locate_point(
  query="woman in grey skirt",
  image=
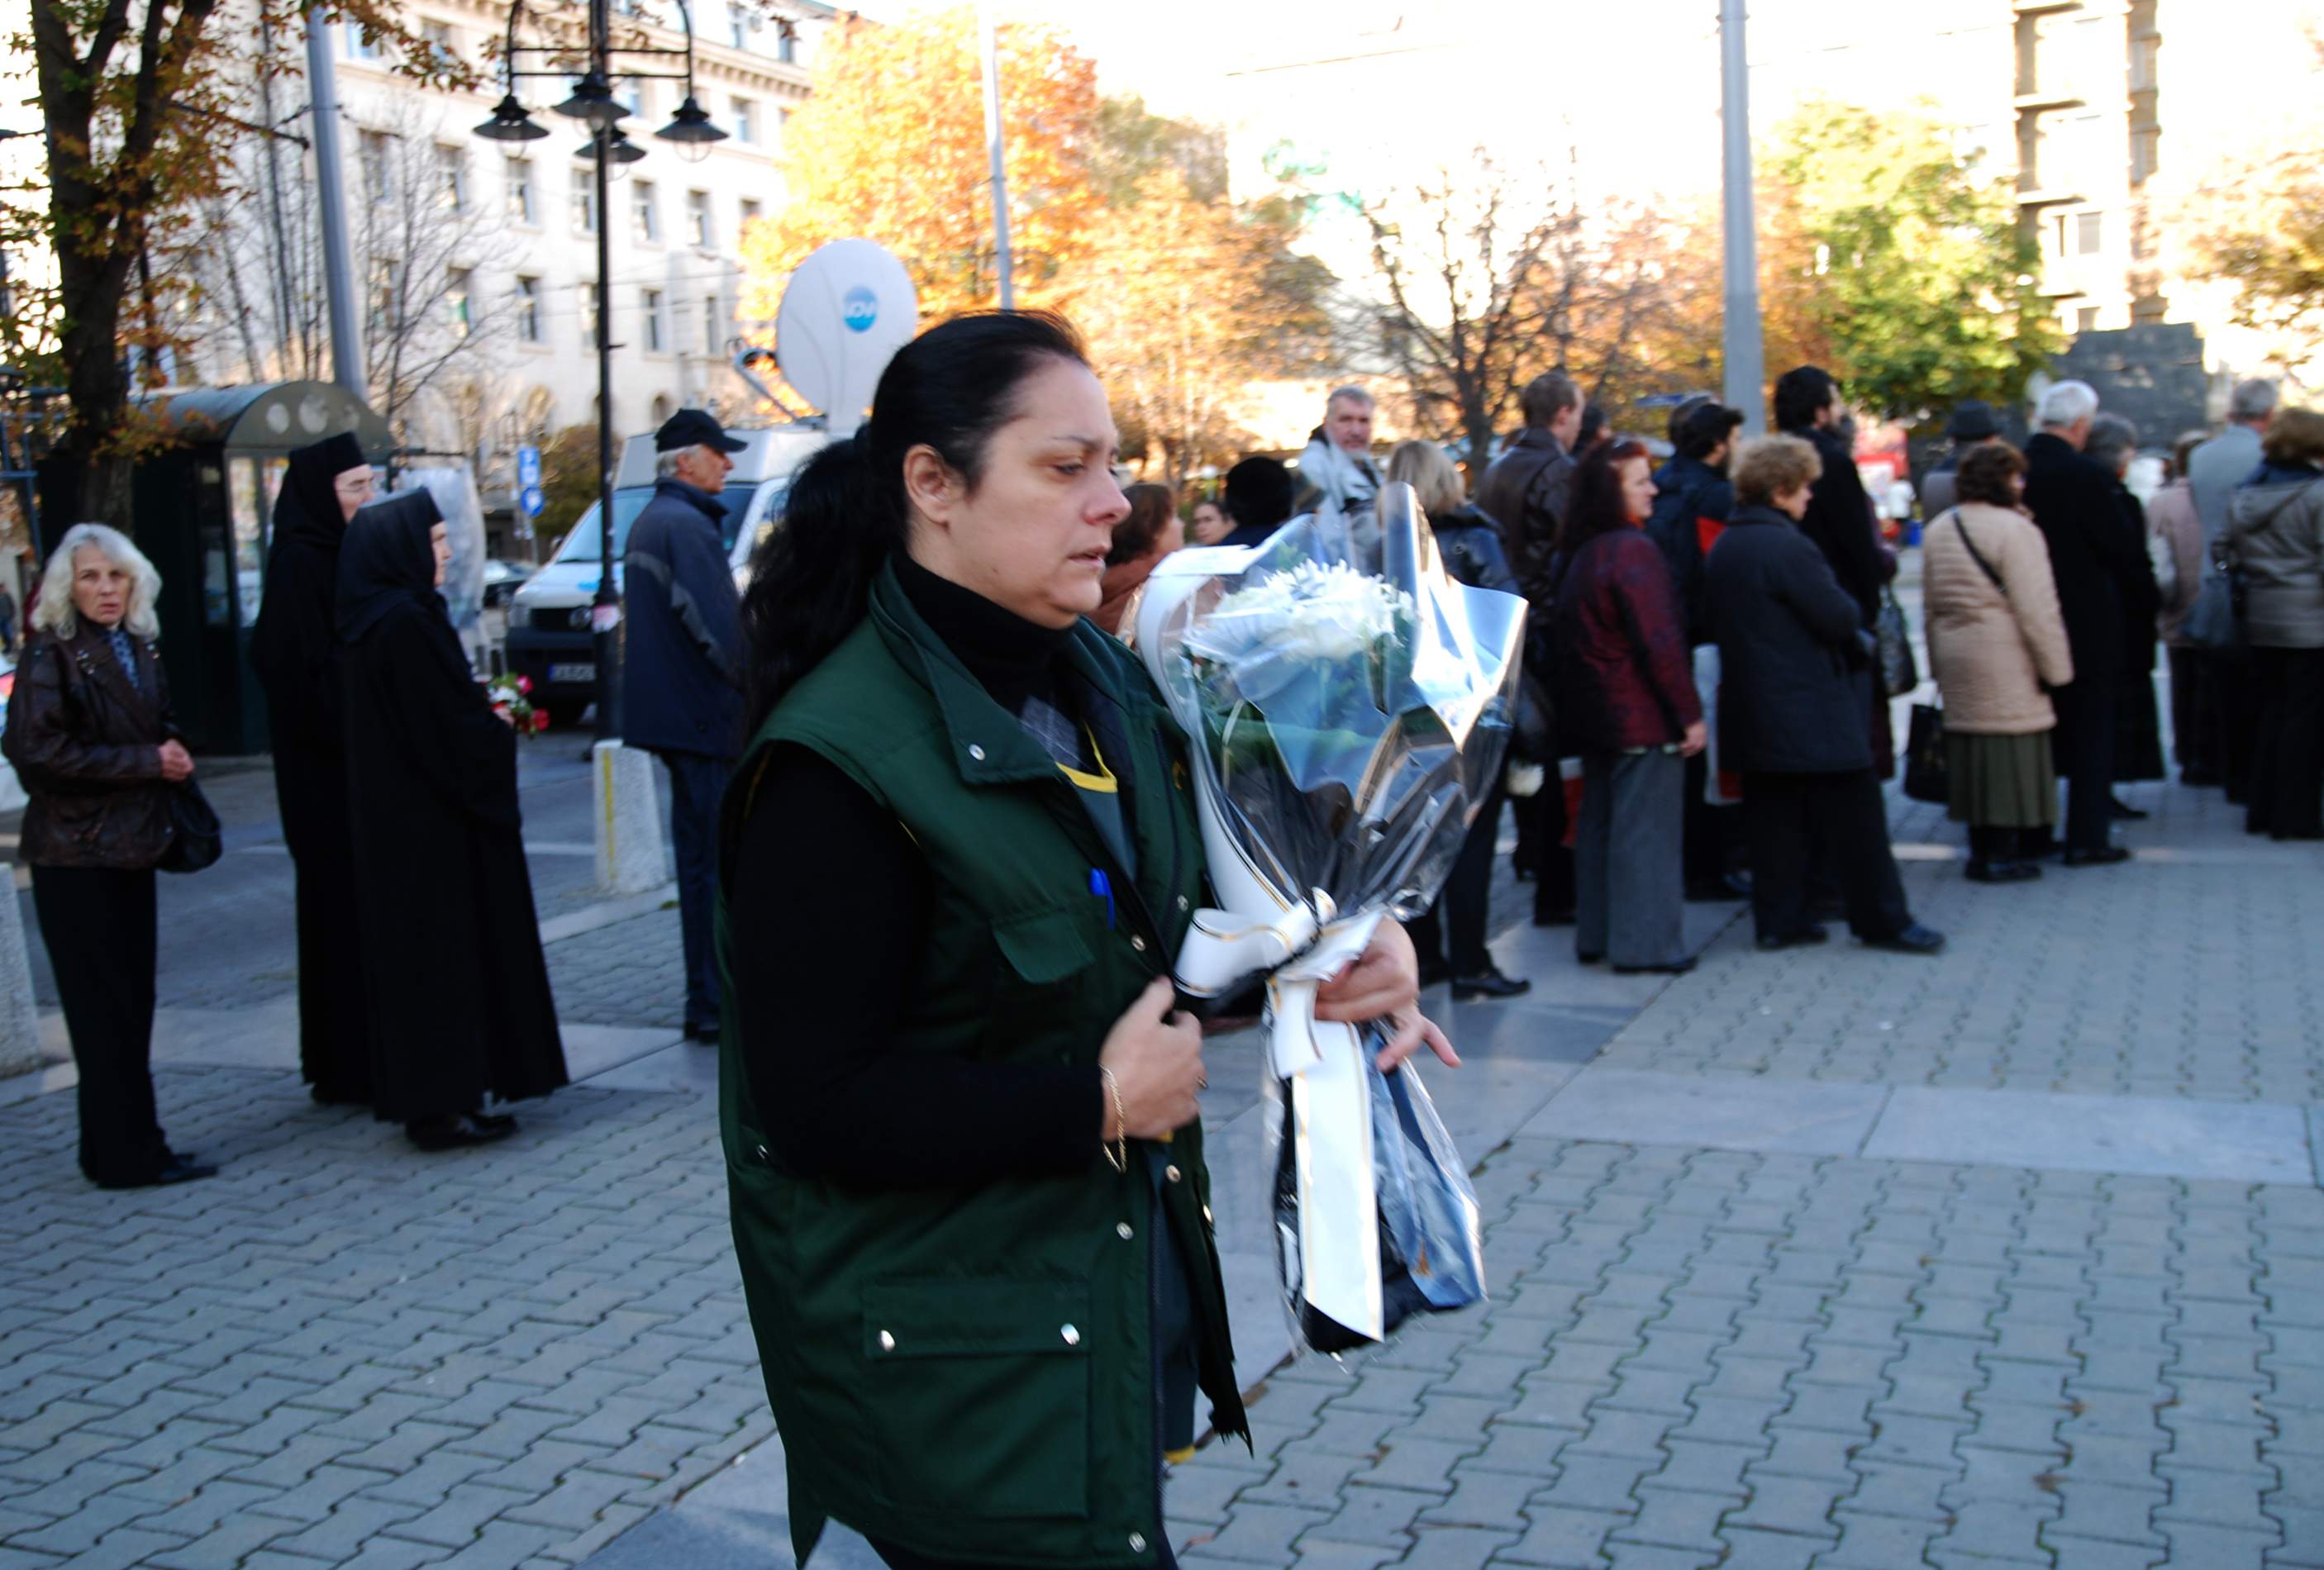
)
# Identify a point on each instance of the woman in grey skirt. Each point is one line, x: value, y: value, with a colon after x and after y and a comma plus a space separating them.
x: 1997, y: 642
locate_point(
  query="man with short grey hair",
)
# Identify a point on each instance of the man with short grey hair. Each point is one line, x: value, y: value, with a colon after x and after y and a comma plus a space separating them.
x: 2225, y: 705
x: 2097, y: 565
x: 1337, y: 466
x: 682, y: 671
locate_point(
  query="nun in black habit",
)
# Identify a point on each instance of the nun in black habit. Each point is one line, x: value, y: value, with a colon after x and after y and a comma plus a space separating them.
x: 295, y: 651
x: 459, y: 1000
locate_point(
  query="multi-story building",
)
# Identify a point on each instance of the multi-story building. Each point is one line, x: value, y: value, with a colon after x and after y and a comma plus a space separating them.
x: 518, y: 240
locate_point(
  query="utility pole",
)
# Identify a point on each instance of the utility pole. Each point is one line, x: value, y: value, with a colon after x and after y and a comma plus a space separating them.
x: 331, y: 194
x: 1744, y: 352
x: 992, y: 148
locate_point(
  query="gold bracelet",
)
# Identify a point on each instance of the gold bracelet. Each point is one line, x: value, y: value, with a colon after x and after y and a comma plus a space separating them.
x: 1117, y: 1153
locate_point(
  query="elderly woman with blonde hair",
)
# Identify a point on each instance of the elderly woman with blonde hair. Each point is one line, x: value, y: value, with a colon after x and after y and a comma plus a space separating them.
x: 1472, y: 544
x: 90, y: 732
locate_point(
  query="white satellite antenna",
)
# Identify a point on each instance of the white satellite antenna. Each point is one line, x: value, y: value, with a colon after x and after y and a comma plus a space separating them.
x: 846, y: 312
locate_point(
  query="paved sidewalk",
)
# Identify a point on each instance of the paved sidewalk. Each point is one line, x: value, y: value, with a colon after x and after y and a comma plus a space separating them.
x: 1729, y: 1324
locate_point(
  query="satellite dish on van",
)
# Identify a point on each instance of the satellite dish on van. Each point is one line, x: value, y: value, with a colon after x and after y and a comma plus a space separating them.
x: 846, y: 312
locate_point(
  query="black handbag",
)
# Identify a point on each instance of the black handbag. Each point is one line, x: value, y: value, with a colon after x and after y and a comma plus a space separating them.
x: 194, y: 840
x: 1926, y: 777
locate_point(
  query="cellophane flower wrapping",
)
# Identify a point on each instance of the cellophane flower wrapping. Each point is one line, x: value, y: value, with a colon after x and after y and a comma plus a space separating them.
x: 1347, y: 702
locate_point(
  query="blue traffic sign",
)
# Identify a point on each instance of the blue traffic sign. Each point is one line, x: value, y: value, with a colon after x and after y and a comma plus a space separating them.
x: 528, y: 469
x: 534, y: 500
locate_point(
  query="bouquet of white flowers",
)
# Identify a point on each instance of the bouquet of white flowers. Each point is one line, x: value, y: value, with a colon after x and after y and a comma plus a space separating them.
x: 1348, y: 701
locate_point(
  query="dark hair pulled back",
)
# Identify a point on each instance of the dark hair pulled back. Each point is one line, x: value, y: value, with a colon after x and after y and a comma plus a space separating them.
x: 949, y: 389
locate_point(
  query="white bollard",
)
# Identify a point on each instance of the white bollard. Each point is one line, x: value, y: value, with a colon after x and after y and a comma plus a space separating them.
x: 20, y: 1016
x: 629, y: 820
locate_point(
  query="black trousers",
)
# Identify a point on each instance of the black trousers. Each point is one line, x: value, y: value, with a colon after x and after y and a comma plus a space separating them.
x: 1836, y: 821
x: 1460, y: 911
x: 2231, y: 698
x: 698, y: 783
x: 2192, y: 730
x: 2084, y: 745
x: 2287, y: 770
x: 98, y: 926
x: 1541, y: 819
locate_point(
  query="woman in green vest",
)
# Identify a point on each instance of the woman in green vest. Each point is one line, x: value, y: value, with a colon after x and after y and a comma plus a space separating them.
x: 960, y: 1115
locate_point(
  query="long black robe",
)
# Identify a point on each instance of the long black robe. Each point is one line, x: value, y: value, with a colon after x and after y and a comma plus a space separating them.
x: 460, y: 1006
x: 295, y: 651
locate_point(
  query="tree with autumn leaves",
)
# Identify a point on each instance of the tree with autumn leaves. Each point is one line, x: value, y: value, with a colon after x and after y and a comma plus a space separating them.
x: 1119, y: 218
x: 143, y: 104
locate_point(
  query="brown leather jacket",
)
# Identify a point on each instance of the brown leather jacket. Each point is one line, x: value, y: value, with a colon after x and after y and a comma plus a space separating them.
x: 86, y: 747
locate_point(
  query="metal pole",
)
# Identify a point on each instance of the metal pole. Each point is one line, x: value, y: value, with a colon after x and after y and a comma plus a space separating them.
x: 606, y: 612
x: 992, y: 147
x: 1745, y: 351
x: 331, y: 195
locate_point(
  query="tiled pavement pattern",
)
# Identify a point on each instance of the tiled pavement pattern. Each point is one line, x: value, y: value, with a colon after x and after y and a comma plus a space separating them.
x: 1706, y: 1358
x: 632, y: 973
x: 2194, y: 971
x: 341, y: 1351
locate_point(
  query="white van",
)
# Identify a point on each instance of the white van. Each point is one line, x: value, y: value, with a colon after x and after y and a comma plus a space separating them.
x: 549, y: 637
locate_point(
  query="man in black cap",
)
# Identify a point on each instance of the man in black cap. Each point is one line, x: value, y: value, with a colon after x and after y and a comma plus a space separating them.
x: 682, y: 672
x: 1973, y: 425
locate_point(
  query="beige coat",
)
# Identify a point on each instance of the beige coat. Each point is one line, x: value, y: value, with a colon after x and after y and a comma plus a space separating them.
x: 1992, y: 650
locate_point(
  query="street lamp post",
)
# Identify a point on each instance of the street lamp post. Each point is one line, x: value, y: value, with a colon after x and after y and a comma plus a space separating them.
x: 592, y: 100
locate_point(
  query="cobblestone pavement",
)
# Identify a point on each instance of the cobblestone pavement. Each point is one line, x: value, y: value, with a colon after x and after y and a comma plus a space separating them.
x: 1699, y: 1358
x: 340, y: 1350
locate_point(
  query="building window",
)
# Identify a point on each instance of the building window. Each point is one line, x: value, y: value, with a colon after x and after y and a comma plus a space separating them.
x: 2090, y: 234
x: 386, y: 287
x: 714, y: 336
x: 372, y: 156
x: 2086, y: 319
x: 651, y: 302
x: 632, y: 96
x: 452, y: 178
x: 787, y: 44
x: 528, y: 309
x: 746, y: 123
x: 588, y: 315
x: 457, y: 286
x: 698, y: 218
x: 2145, y: 153
x: 585, y: 198
x: 782, y: 123
x: 442, y: 52
x: 520, y: 206
x: 643, y: 221
x: 361, y: 48
x: 750, y: 211
x: 738, y: 26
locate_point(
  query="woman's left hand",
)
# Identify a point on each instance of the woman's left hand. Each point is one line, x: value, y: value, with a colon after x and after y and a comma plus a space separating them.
x: 1384, y: 984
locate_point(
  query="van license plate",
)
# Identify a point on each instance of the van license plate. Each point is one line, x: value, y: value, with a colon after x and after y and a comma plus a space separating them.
x: 580, y: 676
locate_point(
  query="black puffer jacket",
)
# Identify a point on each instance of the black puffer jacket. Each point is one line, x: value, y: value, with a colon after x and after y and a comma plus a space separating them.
x: 87, y: 747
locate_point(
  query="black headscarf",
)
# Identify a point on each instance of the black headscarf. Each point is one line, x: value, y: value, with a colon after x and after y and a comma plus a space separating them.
x: 386, y: 561
x: 309, y: 499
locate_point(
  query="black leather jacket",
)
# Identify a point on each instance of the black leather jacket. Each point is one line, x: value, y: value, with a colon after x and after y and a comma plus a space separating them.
x: 86, y: 744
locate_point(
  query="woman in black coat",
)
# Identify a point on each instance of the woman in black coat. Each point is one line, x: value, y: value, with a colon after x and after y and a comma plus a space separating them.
x: 91, y: 734
x: 295, y: 652
x: 1792, y: 705
x: 460, y: 1006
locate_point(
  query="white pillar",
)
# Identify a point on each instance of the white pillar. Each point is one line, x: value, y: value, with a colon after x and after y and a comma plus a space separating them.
x: 20, y: 1017
x: 629, y: 820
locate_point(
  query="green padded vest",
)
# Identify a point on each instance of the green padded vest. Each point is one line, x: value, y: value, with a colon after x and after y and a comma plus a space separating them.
x: 970, y: 1372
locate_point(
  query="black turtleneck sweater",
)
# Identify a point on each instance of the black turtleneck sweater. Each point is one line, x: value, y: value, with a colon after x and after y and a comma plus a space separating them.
x: 820, y: 867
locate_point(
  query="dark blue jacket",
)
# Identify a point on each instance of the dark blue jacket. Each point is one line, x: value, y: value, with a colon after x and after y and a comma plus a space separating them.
x: 1792, y: 698
x: 1692, y: 503
x: 681, y: 658
x: 1472, y: 544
